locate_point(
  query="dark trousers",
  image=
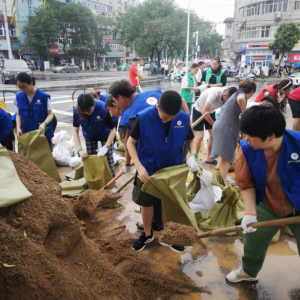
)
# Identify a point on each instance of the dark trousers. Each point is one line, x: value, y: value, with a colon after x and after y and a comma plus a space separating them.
x: 166, y: 72
x: 162, y: 71
x: 9, y: 141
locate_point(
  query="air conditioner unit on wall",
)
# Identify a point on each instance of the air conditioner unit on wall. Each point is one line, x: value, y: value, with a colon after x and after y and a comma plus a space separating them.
x: 278, y: 16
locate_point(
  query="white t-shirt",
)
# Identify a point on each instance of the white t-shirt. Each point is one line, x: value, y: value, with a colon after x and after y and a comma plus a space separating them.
x: 166, y: 67
x: 49, y: 107
x: 199, y: 75
x: 185, y: 84
x: 140, y: 69
x: 212, y: 96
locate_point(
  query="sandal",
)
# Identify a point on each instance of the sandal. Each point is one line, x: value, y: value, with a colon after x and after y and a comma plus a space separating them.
x: 214, y: 162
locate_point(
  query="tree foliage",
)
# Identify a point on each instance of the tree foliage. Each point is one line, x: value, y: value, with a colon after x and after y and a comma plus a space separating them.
x: 286, y: 36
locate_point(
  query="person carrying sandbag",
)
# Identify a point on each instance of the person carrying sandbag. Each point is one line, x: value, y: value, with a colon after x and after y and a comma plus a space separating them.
x: 97, y: 125
x: 34, y: 108
x: 155, y: 142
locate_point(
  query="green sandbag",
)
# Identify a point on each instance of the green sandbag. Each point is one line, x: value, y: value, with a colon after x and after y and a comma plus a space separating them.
x: 73, y: 188
x: 35, y: 146
x: 275, y: 238
x: 12, y: 190
x: 194, y: 187
x: 97, y: 174
x: 168, y: 185
x: 120, y: 148
x: 76, y: 173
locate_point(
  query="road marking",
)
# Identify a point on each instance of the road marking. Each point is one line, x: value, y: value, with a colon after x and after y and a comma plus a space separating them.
x: 61, y: 112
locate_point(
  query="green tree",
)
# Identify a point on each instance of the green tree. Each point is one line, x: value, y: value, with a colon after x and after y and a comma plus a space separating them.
x: 286, y: 36
x: 42, y: 31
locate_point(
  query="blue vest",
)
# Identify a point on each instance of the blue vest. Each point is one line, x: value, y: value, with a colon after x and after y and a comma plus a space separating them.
x: 103, y: 98
x: 139, y: 103
x: 288, y: 167
x: 36, y: 113
x: 95, y: 128
x: 155, y: 150
x: 5, y: 125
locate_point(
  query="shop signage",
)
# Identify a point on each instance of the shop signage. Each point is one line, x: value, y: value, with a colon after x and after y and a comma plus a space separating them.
x: 258, y: 46
x: 295, y: 57
x: 53, y: 50
x: 258, y: 57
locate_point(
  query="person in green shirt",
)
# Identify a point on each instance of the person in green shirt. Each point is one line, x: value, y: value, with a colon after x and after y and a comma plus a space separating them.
x: 189, y: 86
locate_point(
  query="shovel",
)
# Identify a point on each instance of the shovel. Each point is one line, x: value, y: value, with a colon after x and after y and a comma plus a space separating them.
x: 199, y: 120
x: 182, y: 235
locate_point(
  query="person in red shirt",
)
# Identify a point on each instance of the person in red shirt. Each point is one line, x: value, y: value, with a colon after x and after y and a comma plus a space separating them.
x: 294, y: 101
x: 134, y: 76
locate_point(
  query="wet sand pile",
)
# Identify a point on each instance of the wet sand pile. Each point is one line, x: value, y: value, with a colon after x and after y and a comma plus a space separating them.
x: 178, y: 234
x: 55, y: 256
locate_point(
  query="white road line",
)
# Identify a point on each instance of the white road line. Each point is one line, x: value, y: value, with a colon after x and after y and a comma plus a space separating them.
x: 61, y: 112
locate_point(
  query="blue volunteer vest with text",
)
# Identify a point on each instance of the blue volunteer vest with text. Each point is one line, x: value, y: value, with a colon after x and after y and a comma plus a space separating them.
x: 5, y: 125
x: 103, y: 97
x: 35, y: 113
x: 155, y: 150
x: 288, y: 167
x: 139, y: 103
x: 95, y: 128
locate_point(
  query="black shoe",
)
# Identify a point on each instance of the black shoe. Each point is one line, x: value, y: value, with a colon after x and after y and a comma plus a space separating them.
x: 154, y: 228
x: 140, y: 244
x: 178, y: 249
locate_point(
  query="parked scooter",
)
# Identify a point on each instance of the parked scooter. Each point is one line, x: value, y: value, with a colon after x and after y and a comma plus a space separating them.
x: 259, y: 73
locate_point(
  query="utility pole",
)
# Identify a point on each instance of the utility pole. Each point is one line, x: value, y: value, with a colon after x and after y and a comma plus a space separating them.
x: 10, y: 55
x: 188, y: 38
x: 196, y: 34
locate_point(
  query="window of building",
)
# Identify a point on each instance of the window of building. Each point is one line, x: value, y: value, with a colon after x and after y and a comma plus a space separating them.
x: 242, y: 12
x: 285, y: 5
x: 265, y: 31
x: 297, y: 5
x: 29, y: 2
x: 228, y: 26
x: 12, y: 31
x: 2, y: 30
x: 264, y: 7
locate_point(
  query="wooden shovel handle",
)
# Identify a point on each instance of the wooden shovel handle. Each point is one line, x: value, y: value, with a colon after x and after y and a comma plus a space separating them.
x: 200, y: 119
x: 125, y: 184
x: 114, y: 179
x: 254, y: 225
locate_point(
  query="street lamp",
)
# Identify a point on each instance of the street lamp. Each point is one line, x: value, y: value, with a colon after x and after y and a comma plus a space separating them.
x: 196, y: 34
x: 188, y: 38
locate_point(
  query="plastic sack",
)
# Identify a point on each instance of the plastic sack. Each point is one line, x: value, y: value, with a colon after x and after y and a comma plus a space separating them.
x: 207, y: 196
x: 62, y: 154
x: 118, y: 158
x: 75, y: 161
x: 59, y: 137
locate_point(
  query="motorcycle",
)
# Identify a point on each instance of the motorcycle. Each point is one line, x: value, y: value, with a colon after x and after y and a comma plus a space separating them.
x: 177, y: 76
x: 259, y: 73
x: 249, y: 76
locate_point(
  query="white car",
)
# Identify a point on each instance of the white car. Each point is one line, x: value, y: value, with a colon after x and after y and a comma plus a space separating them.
x: 295, y: 78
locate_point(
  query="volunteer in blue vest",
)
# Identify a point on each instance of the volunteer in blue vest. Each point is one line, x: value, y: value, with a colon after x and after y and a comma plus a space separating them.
x: 214, y: 76
x: 267, y: 171
x: 97, y: 126
x: 155, y: 142
x: 7, y: 136
x: 189, y: 87
x: 34, y: 109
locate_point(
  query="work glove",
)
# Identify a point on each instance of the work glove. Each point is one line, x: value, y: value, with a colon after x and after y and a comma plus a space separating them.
x: 102, y: 151
x: 134, y: 171
x: 248, y: 219
x: 126, y: 169
x: 193, y: 164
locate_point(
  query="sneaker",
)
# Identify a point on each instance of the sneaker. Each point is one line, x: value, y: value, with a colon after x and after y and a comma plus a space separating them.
x: 154, y: 228
x: 140, y: 244
x: 239, y: 275
x: 229, y: 180
x: 138, y: 209
x: 178, y: 249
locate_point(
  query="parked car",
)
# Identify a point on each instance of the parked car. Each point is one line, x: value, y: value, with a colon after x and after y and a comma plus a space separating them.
x: 66, y: 68
x: 124, y: 67
x: 10, y: 68
x: 295, y: 78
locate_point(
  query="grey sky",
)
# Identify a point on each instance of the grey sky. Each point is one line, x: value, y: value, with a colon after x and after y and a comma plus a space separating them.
x: 216, y: 10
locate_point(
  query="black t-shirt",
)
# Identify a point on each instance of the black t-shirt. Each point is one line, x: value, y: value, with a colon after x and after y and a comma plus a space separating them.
x: 136, y: 134
x: 108, y: 121
x: 213, y: 79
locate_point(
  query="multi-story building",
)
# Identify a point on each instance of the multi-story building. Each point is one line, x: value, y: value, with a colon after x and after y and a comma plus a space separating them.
x: 13, y: 32
x: 228, y: 40
x: 255, y: 23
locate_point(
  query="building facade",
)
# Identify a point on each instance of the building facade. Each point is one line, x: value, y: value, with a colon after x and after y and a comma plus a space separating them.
x: 227, y: 46
x: 255, y: 23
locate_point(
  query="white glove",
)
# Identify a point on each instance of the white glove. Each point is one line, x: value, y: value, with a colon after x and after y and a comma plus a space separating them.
x: 102, y: 151
x: 134, y: 172
x: 126, y: 169
x: 248, y: 219
x: 193, y: 163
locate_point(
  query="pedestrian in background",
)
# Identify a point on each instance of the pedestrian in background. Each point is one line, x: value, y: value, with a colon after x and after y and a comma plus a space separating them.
x: 199, y: 75
x: 134, y: 75
x: 166, y: 69
x: 227, y: 127
x: 162, y: 68
x: 271, y: 68
x: 189, y: 87
x: 214, y: 76
x: 140, y: 68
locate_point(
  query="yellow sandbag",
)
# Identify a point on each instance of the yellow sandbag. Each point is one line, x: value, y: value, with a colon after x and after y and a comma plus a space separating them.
x: 76, y: 173
x: 73, y: 188
x: 35, y: 146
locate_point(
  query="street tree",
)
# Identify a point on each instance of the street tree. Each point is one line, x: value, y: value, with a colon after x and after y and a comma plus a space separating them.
x: 286, y: 36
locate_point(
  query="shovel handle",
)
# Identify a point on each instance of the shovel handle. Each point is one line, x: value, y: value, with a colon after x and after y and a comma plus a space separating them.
x: 125, y: 184
x: 253, y: 225
x: 200, y: 119
x: 114, y: 179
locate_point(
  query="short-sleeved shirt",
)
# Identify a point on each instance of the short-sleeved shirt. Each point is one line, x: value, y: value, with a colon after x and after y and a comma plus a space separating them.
x: 136, y: 134
x: 295, y: 94
x: 132, y: 75
x: 108, y: 121
x: 49, y: 107
x: 212, y: 96
x: 140, y: 69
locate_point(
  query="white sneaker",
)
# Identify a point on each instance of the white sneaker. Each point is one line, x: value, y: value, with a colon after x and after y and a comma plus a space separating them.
x: 239, y: 275
x: 229, y: 180
x: 138, y: 209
